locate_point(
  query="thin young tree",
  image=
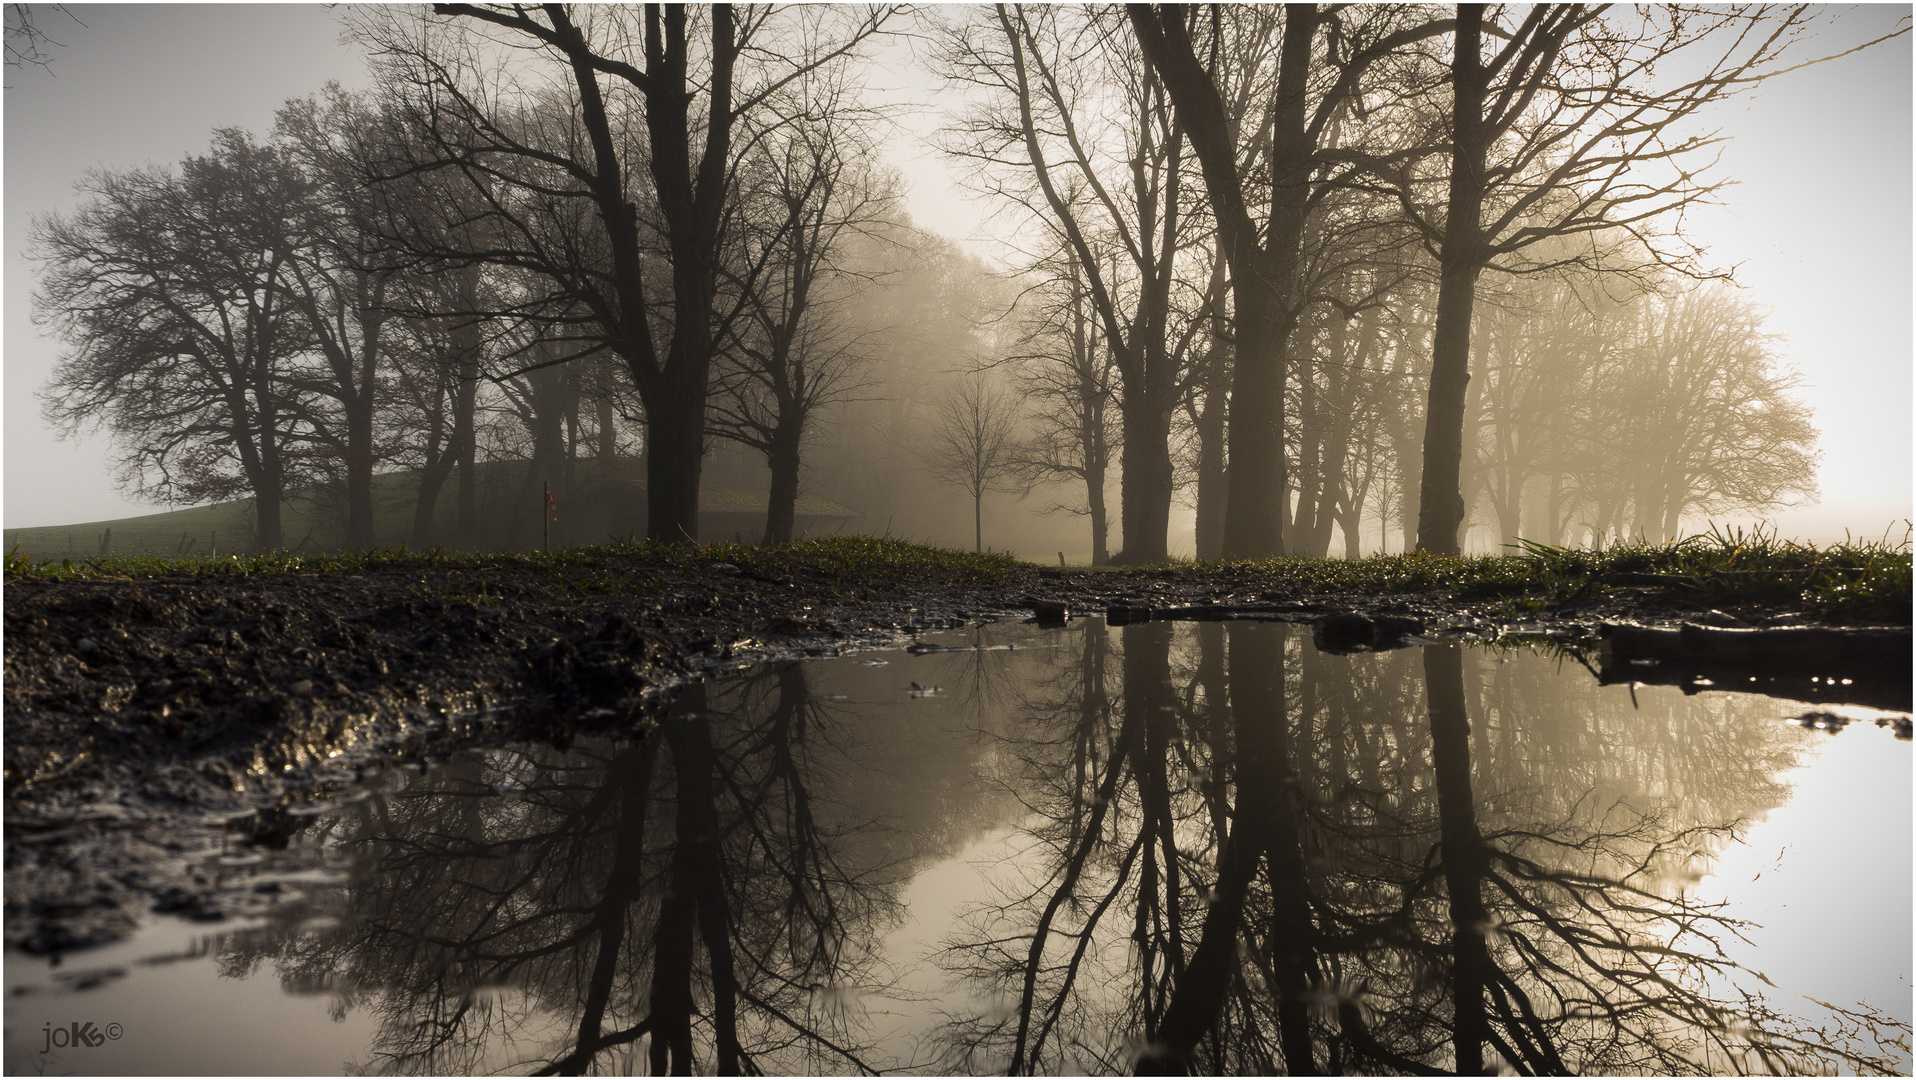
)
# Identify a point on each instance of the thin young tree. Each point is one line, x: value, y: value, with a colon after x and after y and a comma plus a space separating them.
x: 1069, y: 377
x: 1080, y: 133
x: 972, y: 444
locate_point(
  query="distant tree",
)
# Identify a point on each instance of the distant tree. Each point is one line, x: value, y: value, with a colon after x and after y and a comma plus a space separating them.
x: 934, y: 306
x: 811, y: 188
x: 338, y: 280
x: 1068, y: 376
x: 171, y: 293
x: 972, y: 444
x: 1713, y: 425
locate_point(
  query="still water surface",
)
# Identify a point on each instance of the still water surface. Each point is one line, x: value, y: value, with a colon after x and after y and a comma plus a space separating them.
x: 1197, y: 846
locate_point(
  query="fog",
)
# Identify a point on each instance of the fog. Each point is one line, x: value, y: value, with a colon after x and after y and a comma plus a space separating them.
x: 1056, y: 281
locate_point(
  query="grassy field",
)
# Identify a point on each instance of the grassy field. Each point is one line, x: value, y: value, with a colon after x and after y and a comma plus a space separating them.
x: 310, y: 524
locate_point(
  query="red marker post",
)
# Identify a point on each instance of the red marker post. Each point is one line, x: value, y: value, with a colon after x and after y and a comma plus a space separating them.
x: 552, y: 513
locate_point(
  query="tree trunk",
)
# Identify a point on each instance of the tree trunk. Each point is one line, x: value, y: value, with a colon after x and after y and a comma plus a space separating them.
x: 1263, y: 276
x: 465, y: 440
x: 1256, y: 483
x: 1094, y: 479
x: 1352, y: 522
x: 360, y: 534
x: 432, y: 480
x: 1146, y: 501
x: 1210, y: 472
x: 1441, y: 512
x: 608, y: 435
x: 1211, y: 421
x: 675, y: 439
x: 1556, y: 523
x: 977, y: 522
x: 782, y: 504
x: 268, y: 534
x: 1309, y: 477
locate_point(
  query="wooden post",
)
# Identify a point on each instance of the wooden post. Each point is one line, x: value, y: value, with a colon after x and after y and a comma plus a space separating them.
x: 1061, y: 560
x: 545, y: 514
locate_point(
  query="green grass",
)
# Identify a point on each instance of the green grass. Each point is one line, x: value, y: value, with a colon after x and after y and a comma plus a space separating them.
x: 229, y: 524
x: 876, y: 561
x: 1867, y: 580
x: 1861, y: 581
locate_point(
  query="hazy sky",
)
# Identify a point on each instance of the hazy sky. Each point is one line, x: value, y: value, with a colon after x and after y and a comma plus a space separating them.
x: 1819, y: 225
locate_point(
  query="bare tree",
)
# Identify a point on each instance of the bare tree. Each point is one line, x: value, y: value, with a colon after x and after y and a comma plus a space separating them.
x: 972, y: 444
x: 171, y: 291
x: 1084, y: 128
x: 1068, y: 377
x: 1289, y: 171
x: 338, y: 280
x: 812, y: 189
x: 575, y: 200
x: 27, y: 40
x: 1566, y: 129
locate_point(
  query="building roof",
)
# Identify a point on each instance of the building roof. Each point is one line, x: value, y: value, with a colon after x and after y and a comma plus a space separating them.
x: 746, y: 501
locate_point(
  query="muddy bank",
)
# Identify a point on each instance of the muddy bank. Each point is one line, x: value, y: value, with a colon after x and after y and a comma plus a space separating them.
x: 152, y: 721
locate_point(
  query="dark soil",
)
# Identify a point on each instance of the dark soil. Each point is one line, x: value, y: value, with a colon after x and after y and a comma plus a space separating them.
x: 150, y: 721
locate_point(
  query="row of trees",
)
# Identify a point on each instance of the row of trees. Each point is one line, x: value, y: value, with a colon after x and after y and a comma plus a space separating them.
x: 1221, y: 195
x: 386, y: 272
x: 1247, y: 242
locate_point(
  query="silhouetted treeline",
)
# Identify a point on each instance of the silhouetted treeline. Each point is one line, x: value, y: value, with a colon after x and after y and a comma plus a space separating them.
x: 1330, y: 279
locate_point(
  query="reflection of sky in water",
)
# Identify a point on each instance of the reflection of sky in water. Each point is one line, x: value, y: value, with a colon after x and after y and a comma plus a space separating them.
x: 1823, y: 876
x: 932, y: 802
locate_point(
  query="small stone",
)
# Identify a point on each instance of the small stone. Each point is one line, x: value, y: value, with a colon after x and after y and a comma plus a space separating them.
x: 302, y: 688
x: 86, y: 645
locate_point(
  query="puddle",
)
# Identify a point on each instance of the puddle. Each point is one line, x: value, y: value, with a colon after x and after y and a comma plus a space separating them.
x: 1104, y: 850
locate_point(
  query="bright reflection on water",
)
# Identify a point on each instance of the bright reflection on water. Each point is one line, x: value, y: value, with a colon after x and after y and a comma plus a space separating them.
x: 1162, y: 847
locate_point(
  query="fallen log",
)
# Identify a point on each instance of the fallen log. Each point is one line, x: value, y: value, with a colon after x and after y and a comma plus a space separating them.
x: 1875, y: 692
x: 1794, y: 647
x: 1815, y: 664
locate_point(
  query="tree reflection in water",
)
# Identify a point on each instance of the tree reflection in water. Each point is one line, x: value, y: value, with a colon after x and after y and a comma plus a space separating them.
x: 1327, y: 867
x: 1233, y: 854
x: 710, y: 896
